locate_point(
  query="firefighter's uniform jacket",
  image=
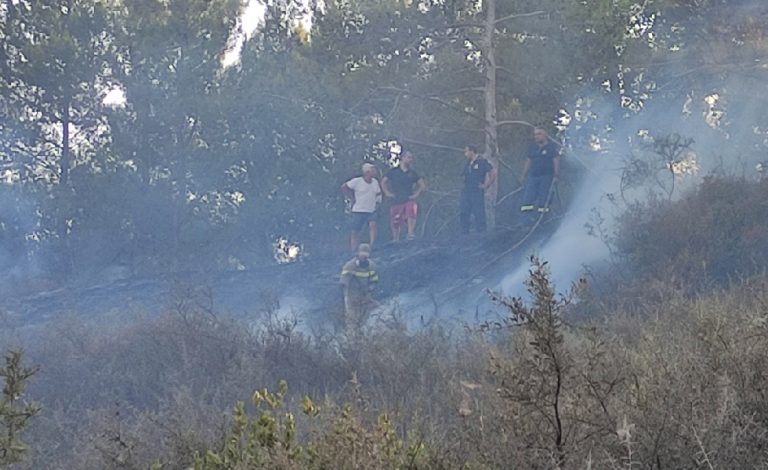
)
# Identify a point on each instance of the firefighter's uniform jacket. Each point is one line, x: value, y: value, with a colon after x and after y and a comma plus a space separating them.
x: 357, y: 282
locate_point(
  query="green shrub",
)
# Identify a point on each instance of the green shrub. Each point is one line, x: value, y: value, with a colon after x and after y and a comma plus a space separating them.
x: 15, y: 410
x: 269, y: 440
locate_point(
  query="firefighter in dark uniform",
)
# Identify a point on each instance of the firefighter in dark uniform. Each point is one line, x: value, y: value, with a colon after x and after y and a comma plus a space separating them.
x: 541, y: 170
x: 479, y: 175
x: 358, y: 278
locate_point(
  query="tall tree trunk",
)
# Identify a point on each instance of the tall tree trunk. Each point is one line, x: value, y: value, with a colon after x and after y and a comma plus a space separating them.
x: 65, y: 158
x: 64, y: 260
x: 491, y: 122
x: 65, y: 113
x: 5, y: 65
x: 65, y: 254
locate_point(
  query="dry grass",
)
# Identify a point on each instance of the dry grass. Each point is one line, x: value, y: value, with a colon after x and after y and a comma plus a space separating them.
x: 650, y: 376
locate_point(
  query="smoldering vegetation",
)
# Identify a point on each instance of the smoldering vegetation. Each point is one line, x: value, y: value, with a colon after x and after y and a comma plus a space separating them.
x: 639, y: 338
x: 649, y: 371
x: 656, y: 361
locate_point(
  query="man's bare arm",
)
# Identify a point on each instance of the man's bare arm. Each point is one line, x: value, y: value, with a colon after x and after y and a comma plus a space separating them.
x: 385, y: 187
x: 420, y: 187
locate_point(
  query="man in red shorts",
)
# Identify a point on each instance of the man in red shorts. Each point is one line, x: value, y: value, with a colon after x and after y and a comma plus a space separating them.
x: 403, y: 185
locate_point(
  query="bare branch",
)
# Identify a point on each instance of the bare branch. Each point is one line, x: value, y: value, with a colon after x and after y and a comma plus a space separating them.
x: 519, y: 15
x: 307, y: 102
x: 440, y: 197
x: 395, y: 107
x: 362, y: 100
x: 447, y: 130
x: 436, y: 100
x: 515, y: 123
x: 467, y: 25
x: 505, y: 70
x: 458, y: 91
x: 431, y: 145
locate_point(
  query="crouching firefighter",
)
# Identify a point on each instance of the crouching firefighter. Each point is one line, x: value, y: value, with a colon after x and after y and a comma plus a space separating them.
x: 358, y: 279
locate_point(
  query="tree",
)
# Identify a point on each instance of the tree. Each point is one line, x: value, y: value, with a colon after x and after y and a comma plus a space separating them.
x: 58, y: 68
x: 56, y: 63
x: 169, y: 140
x: 15, y: 411
x: 559, y: 377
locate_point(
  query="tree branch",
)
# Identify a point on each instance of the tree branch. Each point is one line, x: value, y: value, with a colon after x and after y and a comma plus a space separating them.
x: 431, y: 145
x: 504, y: 69
x: 506, y: 165
x: 307, y: 102
x: 447, y: 129
x: 436, y: 100
x: 511, y: 123
x: 466, y: 25
x: 519, y: 15
x: 458, y: 91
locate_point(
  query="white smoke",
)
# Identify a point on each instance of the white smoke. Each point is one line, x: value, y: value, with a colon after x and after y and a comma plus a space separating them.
x: 574, y: 245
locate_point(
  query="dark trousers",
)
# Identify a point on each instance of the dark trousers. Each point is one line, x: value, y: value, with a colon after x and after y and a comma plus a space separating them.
x: 472, y: 204
x: 535, y: 198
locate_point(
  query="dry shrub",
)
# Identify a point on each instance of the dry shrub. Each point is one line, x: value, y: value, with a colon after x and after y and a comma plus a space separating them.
x: 697, y: 392
x: 550, y: 395
x: 680, y: 387
x: 670, y: 383
x: 712, y: 234
x: 140, y: 373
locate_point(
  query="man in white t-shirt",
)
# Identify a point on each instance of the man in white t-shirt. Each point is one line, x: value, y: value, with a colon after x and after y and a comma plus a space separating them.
x: 365, y: 193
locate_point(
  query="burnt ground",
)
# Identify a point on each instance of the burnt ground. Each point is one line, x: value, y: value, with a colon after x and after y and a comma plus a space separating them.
x: 439, y: 273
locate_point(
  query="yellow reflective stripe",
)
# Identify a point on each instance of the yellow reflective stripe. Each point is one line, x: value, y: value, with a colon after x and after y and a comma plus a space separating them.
x: 543, y: 209
x: 375, y: 278
x: 527, y: 208
x: 362, y: 274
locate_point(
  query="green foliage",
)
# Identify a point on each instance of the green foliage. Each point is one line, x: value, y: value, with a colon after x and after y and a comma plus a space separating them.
x: 204, y: 167
x: 15, y: 410
x: 270, y: 440
x: 253, y: 443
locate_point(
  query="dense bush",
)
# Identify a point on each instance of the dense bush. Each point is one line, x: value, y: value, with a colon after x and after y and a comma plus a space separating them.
x: 681, y: 386
x: 712, y: 234
x: 660, y: 373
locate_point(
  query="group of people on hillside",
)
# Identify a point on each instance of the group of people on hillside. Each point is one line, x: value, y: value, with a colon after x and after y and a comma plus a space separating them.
x: 403, y: 185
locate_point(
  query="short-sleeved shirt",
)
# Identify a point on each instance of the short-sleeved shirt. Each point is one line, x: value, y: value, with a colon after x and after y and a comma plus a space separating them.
x: 542, y: 158
x: 475, y: 172
x: 401, y: 183
x: 367, y: 195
